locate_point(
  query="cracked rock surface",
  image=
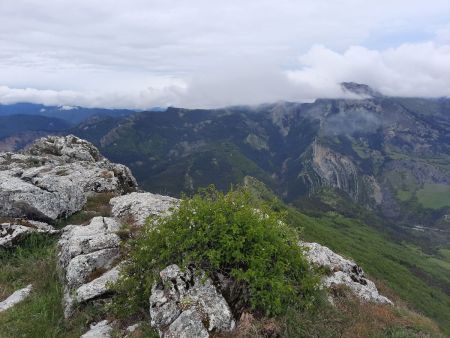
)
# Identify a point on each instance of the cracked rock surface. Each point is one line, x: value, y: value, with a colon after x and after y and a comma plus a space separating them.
x: 53, y: 177
x: 84, y: 252
x: 343, y: 272
x: 139, y: 206
x: 185, y: 304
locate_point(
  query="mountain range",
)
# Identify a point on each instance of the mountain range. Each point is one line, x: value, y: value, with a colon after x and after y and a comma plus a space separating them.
x: 384, y: 154
x: 367, y: 175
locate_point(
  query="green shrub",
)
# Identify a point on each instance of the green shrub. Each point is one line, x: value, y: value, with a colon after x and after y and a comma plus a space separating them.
x: 232, y: 234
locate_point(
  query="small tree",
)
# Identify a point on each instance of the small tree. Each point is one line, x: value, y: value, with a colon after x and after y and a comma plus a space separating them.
x: 231, y: 234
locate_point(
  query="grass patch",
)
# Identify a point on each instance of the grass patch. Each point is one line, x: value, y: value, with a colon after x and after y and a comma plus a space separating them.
x: 405, y: 195
x: 347, y: 318
x: 96, y: 205
x: 40, y: 315
x: 34, y: 262
x: 434, y: 196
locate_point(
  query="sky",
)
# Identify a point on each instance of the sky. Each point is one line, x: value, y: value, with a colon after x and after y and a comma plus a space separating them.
x: 206, y: 53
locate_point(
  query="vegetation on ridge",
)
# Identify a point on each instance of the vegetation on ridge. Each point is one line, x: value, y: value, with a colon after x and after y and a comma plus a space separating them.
x: 229, y: 234
x: 34, y: 261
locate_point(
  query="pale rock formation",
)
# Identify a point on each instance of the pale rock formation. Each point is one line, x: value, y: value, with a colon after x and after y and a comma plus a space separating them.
x: 101, y: 329
x: 184, y: 301
x: 85, y: 249
x: 54, y: 176
x: 13, y: 232
x: 15, y: 298
x: 98, y: 286
x: 139, y: 206
x: 343, y: 272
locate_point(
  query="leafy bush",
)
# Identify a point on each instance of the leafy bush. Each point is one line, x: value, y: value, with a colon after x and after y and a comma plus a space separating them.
x: 231, y: 234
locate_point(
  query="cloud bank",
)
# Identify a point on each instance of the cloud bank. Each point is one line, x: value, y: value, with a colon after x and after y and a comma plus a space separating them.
x: 202, y: 53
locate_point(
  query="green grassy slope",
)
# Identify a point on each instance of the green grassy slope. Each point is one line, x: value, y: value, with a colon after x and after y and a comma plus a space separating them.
x: 419, y: 279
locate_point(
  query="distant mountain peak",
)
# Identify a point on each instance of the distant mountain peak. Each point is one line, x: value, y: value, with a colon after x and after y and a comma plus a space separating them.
x: 359, y: 89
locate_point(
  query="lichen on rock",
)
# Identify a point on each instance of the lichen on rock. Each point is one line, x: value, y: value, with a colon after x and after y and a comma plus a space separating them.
x: 187, y: 304
x: 54, y: 176
x: 139, y: 206
x: 84, y: 250
x: 343, y: 272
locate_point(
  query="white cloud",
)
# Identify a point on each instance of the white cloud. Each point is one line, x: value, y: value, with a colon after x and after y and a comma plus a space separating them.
x: 408, y: 70
x: 143, y: 53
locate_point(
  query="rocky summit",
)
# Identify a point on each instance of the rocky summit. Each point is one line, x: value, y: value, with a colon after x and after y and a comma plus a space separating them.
x: 53, y: 177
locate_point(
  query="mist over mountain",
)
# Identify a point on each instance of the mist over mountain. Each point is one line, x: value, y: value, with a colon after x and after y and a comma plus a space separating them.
x: 385, y: 154
x: 70, y: 114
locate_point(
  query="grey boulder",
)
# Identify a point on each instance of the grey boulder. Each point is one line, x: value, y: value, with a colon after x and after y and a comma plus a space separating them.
x: 343, y: 272
x: 137, y: 207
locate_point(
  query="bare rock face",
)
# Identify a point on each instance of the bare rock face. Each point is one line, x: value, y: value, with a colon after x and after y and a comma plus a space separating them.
x: 139, y: 206
x: 188, y: 324
x: 12, y: 233
x: 343, y: 272
x: 335, y: 170
x: 101, y: 329
x: 15, y: 298
x: 98, y: 286
x: 85, y: 252
x: 54, y: 176
x: 184, y: 301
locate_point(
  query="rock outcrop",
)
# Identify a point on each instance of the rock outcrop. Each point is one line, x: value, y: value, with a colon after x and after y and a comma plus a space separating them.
x: 15, y: 298
x: 343, y: 272
x: 187, y: 304
x: 335, y: 170
x: 54, y: 176
x: 137, y: 207
x: 101, y: 329
x: 13, y: 232
x: 86, y: 254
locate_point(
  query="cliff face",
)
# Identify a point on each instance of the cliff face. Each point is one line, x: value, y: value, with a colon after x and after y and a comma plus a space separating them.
x: 335, y: 170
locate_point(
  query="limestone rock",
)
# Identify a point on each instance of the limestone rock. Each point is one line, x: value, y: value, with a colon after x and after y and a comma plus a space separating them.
x: 12, y: 233
x: 83, y: 251
x: 131, y: 329
x: 343, y: 272
x: 183, y: 301
x: 15, y: 298
x: 364, y: 288
x: 98, y: 286
x: 139, y: 206
x: 101, y: 329
x: 75, y: 240
x: 81, y: 267
x: 54, y: 176
x: 187, y: 325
